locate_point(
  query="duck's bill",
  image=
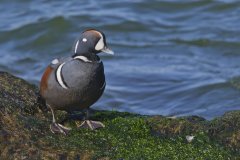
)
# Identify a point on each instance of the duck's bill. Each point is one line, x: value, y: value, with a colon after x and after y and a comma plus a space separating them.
x: 107, y: 50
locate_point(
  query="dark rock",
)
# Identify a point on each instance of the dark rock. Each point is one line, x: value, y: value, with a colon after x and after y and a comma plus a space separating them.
x: 226, y: 129
x: 25, y: 134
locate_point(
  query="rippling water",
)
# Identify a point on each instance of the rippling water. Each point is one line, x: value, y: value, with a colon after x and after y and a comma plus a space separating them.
x: 172, y: 57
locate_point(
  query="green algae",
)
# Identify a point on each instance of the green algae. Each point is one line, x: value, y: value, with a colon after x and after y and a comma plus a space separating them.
x: 25, y: 134
x: 131, y: 138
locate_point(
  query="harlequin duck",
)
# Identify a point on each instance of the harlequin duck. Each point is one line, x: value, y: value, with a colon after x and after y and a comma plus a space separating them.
x: 77, y: 82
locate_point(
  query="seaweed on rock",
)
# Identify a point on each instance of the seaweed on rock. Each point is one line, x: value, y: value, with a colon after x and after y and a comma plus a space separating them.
x: 25, y: 134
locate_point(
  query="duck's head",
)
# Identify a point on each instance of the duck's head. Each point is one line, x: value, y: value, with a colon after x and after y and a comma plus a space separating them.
x: 91, y: 41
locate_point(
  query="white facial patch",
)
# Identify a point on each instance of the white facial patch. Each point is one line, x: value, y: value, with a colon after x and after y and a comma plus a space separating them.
x: 76, y: 46
x: 100, y: 45
x: 84, y: 39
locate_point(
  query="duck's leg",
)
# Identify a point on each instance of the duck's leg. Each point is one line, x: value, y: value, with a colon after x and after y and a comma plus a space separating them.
x: 91, y: 124
x: 56, y: 127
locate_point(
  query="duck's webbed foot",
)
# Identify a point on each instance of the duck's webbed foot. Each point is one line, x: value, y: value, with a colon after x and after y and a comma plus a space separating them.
x: 58, y: 128
x: 91, y: 124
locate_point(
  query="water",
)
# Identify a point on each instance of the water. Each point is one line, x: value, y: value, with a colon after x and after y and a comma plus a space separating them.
x: 172, y: 57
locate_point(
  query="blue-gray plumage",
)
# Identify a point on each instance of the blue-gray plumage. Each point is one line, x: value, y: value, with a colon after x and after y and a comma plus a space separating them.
x: 77, y: 82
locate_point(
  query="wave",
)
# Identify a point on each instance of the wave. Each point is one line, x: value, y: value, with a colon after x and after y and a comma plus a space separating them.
x: 206, y: 42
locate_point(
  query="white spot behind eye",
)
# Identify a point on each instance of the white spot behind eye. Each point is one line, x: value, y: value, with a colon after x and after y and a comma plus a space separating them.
x: 84, y: 39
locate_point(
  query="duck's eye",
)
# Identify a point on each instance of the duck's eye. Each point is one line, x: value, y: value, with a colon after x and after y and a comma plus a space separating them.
x: 84, y: 39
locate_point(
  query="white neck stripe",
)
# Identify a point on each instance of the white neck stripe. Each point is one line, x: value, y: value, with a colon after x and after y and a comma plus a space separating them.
x: 76, y: 46
x: 83, y: 58
x: 59, y: 77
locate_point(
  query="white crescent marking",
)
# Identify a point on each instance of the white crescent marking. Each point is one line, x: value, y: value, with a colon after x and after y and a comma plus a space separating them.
x: 59, y: 78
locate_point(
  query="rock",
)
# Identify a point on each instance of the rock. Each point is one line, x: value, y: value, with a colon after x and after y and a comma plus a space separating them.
x: 25, y: 134
x: 226, y: 129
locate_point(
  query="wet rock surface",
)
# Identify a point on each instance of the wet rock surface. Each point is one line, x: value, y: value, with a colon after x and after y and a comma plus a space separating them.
x: 25, y: 134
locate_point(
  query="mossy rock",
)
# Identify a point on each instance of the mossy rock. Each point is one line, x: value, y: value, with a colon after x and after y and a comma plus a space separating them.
x: 226, y: 129
x: 25, y: 134
x: 172, y: 126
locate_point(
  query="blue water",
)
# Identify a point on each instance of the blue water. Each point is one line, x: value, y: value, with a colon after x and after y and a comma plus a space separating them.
x: 171, y: 57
